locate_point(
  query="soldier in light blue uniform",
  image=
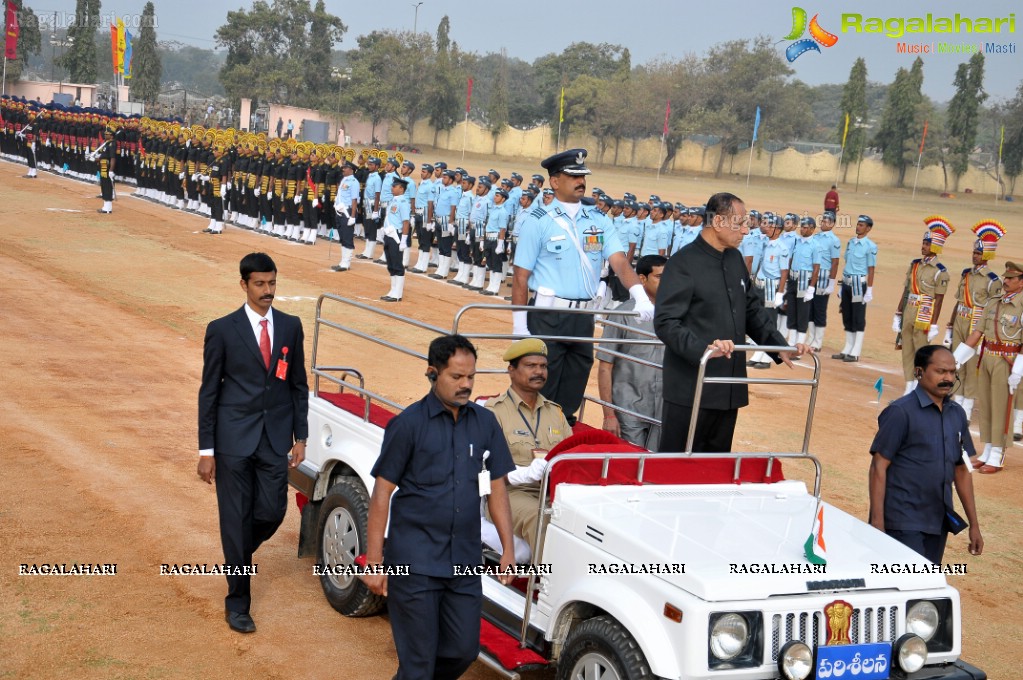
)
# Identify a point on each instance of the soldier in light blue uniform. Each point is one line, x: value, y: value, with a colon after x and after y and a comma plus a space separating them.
x: 752, y: 245
x: 494, y: 177
x: 688, y: 230
x: 463, y: 234
x: 655, y: 237
x: 405, y: 171
x: 396, y: 229
x: 790, y: 225
x: 371, y: 208
x: 803, y: 274
x: 830, y: 251
x: 346, y: 207
x: 426, y: 196
x: 558, y: 262
x: 857, y: 288
x: 771, y: 280
x: 445, y: 225
x: 390, y: 174
x: 495, y: 234
x: 639, y: 230
x: 478, y: 213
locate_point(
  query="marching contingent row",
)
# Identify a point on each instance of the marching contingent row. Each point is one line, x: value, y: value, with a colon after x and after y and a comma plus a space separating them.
x: 475, y: 226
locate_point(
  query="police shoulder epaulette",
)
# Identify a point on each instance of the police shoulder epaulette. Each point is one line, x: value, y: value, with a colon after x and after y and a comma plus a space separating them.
x: 966, y: 272
x: 916, y: 261
x: 538, y: 212
x: 991, y: 275
x: 941, y: 267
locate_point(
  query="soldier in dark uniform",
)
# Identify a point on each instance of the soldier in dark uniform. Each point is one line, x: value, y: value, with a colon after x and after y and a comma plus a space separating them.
x: 706, y: 301
x: 106, y: 155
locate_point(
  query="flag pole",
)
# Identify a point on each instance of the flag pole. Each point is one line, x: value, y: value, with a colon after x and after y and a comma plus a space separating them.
x: 465, y: 134
x: 5, y: 75
x: 919, y: 157
x: 838, y: 170
x: 558, y: 147
x: 660, y: 154
x: 749, y: 167
x: 753, y: 142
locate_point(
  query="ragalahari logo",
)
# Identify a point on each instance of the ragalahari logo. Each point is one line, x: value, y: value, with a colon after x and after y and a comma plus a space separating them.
x: 817, y: 35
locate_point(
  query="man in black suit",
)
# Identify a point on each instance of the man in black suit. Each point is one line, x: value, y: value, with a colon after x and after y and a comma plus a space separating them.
x: 253, y: 404
x: 705, y: 301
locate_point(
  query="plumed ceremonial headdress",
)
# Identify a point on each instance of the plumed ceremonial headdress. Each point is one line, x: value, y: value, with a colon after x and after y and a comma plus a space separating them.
x: 938, y: 231
x: 988, y: 234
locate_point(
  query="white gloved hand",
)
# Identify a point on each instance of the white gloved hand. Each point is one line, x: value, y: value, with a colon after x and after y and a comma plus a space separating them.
x: 897, y: 323
x: 316, y: 203
x: 256, y: 192
x: 351, y: 221
x: 403, y: 246
x: 964, y: 353
x: 298, y: 200
x: 643, y: 304
x: 429, y: 226
x: 500, y: 246
x: 519, y: 323
x: 536, y: 469
x: 195, y: 176
x: 1014, y: 379
x: 932, y: 333
x: 468, y: 238
x: 228, y: 185
x: 47, y: 142
x: 376, y: 215
x: 450, y: 231
x: 181, y: 175
x: 113, y: 177
x: 947, y: 342
x: 869, y: 295
x: 223, y: 191
x: 779, y: 299
x: 808, y: 296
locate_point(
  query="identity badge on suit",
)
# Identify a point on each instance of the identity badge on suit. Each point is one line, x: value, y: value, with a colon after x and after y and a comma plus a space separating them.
x: 253, y: 409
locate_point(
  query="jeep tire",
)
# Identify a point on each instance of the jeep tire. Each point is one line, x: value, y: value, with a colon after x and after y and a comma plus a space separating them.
x: 601, y: 648
x: 342, y: 534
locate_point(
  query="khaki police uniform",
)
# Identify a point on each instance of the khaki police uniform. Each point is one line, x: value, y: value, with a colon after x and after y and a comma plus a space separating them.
x: 526, y: 430
x: 978, y: 286
x: 926, y: 279
x: 1002, y: 327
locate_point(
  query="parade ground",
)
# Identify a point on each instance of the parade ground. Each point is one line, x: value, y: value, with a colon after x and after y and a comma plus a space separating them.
x: 102, y: 333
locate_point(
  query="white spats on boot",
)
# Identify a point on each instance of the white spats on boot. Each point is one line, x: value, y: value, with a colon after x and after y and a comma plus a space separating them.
x: 310, y: 236
x: 818, y: 339
x: 800, y: 338
x: 1017, y: 424
x: 967, y: 405
x: 406, y: 256
x: 857, y: 347
x: 397, y: 289
x: 346, y: 260
x: 443, y: 268
x: 850, y: 338
x: 760, y: 360
x: 462, y: 277
x: 435, y: 257
x: 421, y: 263
x: 108, y: 207
x: 996, y: 459
x: 478, y: 277
x: 218, y: 228
x: 910, y: 386
x: 367, y: 251
x: 495, y: 284
x: 790, y: 337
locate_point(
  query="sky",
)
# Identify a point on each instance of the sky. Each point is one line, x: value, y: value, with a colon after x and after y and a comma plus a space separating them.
x: 649, y: 28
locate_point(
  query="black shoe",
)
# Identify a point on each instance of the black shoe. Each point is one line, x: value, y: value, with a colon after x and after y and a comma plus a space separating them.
x: 360, y: 256
x: 417, y: 271
x: 487, y: 292
x: 104, y: 212
x: 840, y: 356
x: 761, y: 364
x: 437, y: 276
x: 455, y: 282
x: 380, y: 261
x: 240, y: 622
x: 339, y: 268
x: 751, y: 363
x: 388, y: 298
x: 849, y: 358
x: 1017, y: 437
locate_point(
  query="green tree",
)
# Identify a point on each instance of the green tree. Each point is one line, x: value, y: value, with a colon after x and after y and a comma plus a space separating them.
x: 853, y: 105
x: 80, y: 59
x: 146, y: 65
x: 443, y: 96
x: 552, y: 71
x: 371, y: 92
x: 901, y: 125
x: 964, y: 114
x: 29, y: 41
x: 1012, y: 147
x: 497, y: 108
x: 274, y: 54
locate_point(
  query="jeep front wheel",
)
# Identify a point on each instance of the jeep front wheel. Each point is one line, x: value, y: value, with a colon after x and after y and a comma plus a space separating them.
x: 343, y: 517
x: 601, y: 649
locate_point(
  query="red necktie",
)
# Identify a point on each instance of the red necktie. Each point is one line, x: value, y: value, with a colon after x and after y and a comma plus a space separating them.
x: 264, y: 343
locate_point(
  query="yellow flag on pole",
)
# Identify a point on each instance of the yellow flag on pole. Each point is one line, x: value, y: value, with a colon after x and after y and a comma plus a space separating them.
x: 120, y: 46
x: 846, y: 131
x: 561, y: 115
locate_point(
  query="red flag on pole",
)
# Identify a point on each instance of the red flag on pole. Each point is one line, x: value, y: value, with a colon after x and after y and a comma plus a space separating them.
x: 468, y: 97
x: 11, y: 32
x: 113, y: 46
x: 667, y: 115
x: 924, y: 138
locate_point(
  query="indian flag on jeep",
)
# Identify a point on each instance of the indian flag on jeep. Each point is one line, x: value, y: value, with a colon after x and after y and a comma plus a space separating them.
x: 814, y: 546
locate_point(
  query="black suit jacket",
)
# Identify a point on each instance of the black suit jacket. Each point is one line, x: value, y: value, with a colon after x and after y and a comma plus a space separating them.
x: 706, y: 295
x: 239, y: 397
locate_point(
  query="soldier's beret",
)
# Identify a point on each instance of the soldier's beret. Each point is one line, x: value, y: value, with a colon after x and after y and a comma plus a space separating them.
x: 525, y: 347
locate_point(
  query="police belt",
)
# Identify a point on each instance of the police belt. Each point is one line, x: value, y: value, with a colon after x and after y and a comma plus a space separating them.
x: 562, y: 303
x: 1007, y: 350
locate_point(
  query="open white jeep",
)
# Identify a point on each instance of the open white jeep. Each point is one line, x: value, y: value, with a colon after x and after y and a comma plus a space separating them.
x: 651, y: 565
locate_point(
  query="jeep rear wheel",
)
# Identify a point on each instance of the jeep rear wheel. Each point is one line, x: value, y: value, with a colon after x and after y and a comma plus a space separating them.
x: 343, y: 516
x: 601, y: 649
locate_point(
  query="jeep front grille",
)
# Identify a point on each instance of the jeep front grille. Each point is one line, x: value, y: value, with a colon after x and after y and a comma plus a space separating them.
x: 868, y: 624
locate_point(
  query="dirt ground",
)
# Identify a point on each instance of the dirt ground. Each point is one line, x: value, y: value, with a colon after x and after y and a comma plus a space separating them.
x: 102, y: 328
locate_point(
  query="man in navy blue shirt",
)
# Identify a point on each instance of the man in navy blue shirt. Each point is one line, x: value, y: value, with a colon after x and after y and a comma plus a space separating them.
x: 441, y: 454
x: 917, y: 454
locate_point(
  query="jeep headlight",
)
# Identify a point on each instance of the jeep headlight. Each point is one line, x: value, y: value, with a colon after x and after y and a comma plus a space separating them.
x: 728, y: 636
x: 910, y: 653
x: 922, y: 619
x: 795, y: 660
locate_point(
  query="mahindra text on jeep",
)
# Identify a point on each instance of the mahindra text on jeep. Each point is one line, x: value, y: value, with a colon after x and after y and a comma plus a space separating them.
x: 648, y: 565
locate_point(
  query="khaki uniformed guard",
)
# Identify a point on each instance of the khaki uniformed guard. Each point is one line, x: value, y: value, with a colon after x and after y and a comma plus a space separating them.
x: 978, y: 286
x: 926, y: 283
x: 1001, y: 367
x: 533, y: 425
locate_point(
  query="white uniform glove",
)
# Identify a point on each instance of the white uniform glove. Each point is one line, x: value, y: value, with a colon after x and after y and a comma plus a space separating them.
x: 519, y: 324
x: 257, y: 191
x: 429, y: 226
x: 181, y: 175
x: 351, y: 221
x: 869, y: 295
x: 468, y: 237
x: 643, y: 304
x: 964, y: 353
x: 375, y: 215
x: 932, y: 333
x: 229, y: 185
x: 298, y: 199
x: 897, y: 323
x: 195, y: 176
x: 47, y: 142
x: 223, y: 191
x: 316, y: 203
x: 779, y: 299
x: 947, y: 342
x: 403, y: 245
x: 808, y: 296
x: 1017, y: 373
x: 500, y: 246
x: 530, y: 473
